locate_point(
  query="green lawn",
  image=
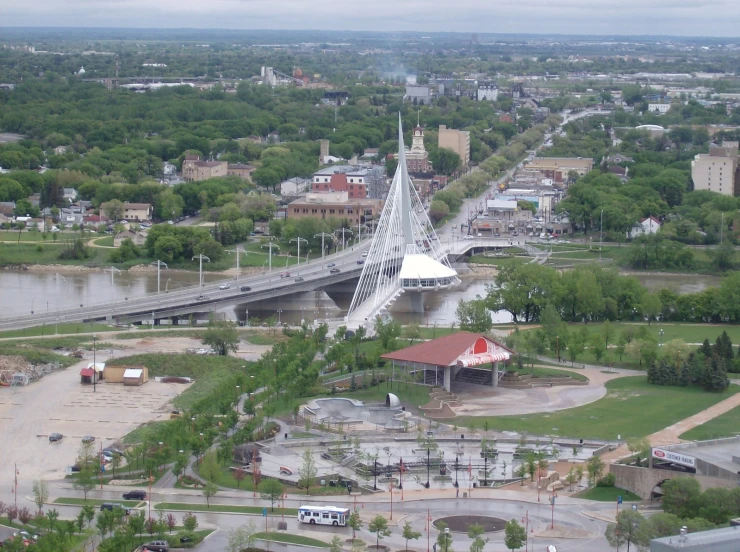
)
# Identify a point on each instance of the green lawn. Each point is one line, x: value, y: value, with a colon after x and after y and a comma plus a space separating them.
x: 292, y: 539
x: 724, y: 425
x: 496, y: 261
x: 207, y: 370
x: 106, y: 241
x: 550, y: 372
x: 64, y: 328
x: 608, y: 494
x: 631, y: 408
x: 224, y: 508
x: 70, y: 501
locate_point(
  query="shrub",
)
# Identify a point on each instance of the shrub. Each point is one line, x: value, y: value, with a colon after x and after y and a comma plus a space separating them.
x: 607, y: 481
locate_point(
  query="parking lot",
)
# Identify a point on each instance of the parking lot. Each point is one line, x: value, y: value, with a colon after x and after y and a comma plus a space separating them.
x: 59, y: 403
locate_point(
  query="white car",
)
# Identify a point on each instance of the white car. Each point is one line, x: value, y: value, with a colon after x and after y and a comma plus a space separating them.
x: 468, y: 237
x: 224, y: 286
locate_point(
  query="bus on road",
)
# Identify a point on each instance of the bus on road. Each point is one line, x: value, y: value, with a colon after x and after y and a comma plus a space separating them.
x: 323, y: 515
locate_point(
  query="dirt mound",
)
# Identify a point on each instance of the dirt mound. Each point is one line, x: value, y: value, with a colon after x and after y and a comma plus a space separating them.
x: 14, y: 363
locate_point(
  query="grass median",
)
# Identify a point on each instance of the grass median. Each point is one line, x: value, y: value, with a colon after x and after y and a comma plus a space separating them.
x: 290, y: 539
x: 224, y: 509
x: 608, y: 494
x: 70, y: 501
x: 631, y: 408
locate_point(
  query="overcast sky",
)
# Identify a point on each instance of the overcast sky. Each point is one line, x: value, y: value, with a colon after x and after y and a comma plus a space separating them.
x: 627, y: 17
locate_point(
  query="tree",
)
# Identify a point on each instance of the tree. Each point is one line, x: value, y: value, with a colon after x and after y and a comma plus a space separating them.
x: 189, y: 521
x: 308, y: 471
x: 597, y: 347
x: 89, y: 511
x: 650, y: 306
x: 171, y: 522
x: 409, y: 533
x: 444, y: 538
x: 336, y: 544
x: 473, y: 316
x: 239, y: 475
x: 40, y: 493
x: 639, y: 446
x: 521, y: 471
x: 209, y: 491
x: 272, y: 490
x: 570, y: 478
x: 438, y: 210
x: 222, y: 337
x: 242, y: 538
x: 680, y: 494
x: 358, y: 545
x: 412, y: 332
x: 594, y: 468
x: 379, y: 526
x: 475, y: 532
x: 85, y: 481
x: 631, y: 527
x: 355, y: 522
x: 514, y: 535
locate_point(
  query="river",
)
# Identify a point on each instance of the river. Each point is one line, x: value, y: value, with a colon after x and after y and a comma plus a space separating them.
x: 26, y: 291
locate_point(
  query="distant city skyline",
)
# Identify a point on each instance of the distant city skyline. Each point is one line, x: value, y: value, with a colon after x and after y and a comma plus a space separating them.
x: 720, y: 18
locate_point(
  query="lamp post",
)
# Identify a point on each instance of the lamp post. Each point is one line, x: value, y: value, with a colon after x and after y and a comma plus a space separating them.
x: 323, y: 235
x: 56, y: 322
x: 298, y: 240
x: 159, y: 265
x: 660, y: 333
x: 457, y: 465
x: 236, y: 406
x: 279, y: 312
x: 428, y: 459
x: 270, y: 245
x: 200, y: 258
x: 94, y: 365
x: 238, y: 250
x: 601, y: 234
x: 375, y: 474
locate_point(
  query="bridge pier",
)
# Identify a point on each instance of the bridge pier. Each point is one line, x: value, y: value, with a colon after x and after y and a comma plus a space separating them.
x: 494, y: 369
x: 416, y: 299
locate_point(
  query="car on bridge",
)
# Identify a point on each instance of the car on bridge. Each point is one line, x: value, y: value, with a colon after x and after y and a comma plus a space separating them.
x: 360, y: 261
x: 245, y: 288
x: 299, y: 279
x: 202, y: 298
x: 285, y: 275
x: 334, y: 271
x: 330, y: 265
x: 224, y: 286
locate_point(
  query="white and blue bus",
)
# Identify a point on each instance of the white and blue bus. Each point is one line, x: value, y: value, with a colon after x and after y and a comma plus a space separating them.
x: 323, y: 515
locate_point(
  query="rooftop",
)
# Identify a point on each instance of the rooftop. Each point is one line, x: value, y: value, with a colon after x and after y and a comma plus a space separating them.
x: 420, y: 266
x: 442, y: 351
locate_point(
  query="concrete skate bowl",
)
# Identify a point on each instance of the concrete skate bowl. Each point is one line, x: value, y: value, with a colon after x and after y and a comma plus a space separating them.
x: 460, y: 524
x: 351, y: 413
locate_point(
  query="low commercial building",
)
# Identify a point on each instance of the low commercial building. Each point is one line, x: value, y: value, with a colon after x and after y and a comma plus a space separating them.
x: 341, y: 178
x: 294, y: 186
x: 419, y: 94
x: 726, y: 539
x: 337, y: 205
x: 558, y: 168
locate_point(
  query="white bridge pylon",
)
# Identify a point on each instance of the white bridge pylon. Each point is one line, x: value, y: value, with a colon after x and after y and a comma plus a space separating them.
x: 404, y: 256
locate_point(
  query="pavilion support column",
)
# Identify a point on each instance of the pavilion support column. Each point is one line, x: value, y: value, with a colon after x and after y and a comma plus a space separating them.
x: 494, y: 369
x: 416, y: 300
x: 448, y: 379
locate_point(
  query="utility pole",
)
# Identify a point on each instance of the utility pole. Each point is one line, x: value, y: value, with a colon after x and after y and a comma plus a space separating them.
x: 113, y: 270
x: 343, y: 231
x: 159, y: 268
x: 270, y: 245
x: 298, y: 240
x: 323, y: 235
x: 94, y: 366
x: 200, y: 257
x: 238, y: 250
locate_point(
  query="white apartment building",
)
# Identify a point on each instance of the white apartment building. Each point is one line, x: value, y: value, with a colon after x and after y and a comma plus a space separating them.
x: 716, y: 171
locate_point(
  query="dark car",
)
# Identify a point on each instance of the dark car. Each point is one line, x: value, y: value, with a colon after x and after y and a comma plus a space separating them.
x: 110, y: 451
x: 335, y: 271
x: 245, y: 288
x: 331, y: 265
x: 111, y: 505
x: 156, y: 546
x: 202, y: 298
x: 135, y: 495
x: 54, y: 437
x: 285, y: 275
x: 299, y: 279
x: 360, y: 262
x: 88, y: 439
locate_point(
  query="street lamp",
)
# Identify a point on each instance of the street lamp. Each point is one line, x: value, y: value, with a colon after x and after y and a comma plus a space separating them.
x: 270, y: 245
x: 375, y: 474
x: 94, y: 364
x: 323, y: 235
x: 298, y: 240
x: 238, y: 250
x: 660, y: 333
x: 200, y: 257
x: 56, y: 322
x: 159, y: 269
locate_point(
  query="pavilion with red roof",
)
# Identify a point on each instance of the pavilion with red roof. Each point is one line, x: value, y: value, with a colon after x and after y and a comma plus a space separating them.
x: 438, y: 361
